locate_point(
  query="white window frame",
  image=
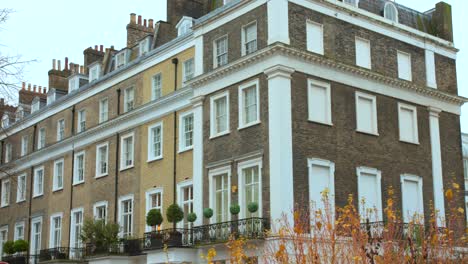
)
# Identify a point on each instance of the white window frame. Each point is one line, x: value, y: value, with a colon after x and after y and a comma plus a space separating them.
x: 103, y: 113
x: 242, y: 87
x: 187, y: 76
x: 311, y: 162
x: 215, y: 51
x: 76, y: 181
x: 123, y: 163
x: 387, y: 4
x: 154, y: 95
x: 100, y: 204
x: 98, y: 160
x: 182, y: 139
x: 311, y: 46
x: 35, y: 220
x: 2, y: 242
x: 73, y: 234
x: 36, y: 191
x: 127, y: 98
x: 415, y: 123
x: 24, y: 145
x: 151, y: 156
x: 21, y: 194
x: 8, y: 152
x: 148, y: 207
x: 81, y: 120
x: 240, y: 167
x: 375, y: 127
x: 60, y: 136
x: 16, y: 235
x: 213, y: 128
x: 6, y: 198
x: 431, y: 76
x: 55, y: 186
x: 121, y: 59
x: 52, y: 229
x: 120, y: 208
x: 180, y: 197
x: 41, y: 138
x: 378, y: 174
x: 324, y: 85
x: 94, y: 72
x: 367, y: 63
x: 143, y: 46
x: 211, y: 174
x: 243, y: 37
x: 419, y: 181
x: 400, y: 57
x: 73, y: 84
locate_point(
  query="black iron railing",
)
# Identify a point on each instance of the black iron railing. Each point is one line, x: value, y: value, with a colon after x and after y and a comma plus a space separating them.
x: 126, y: 247
x: 21, y: 258
x: 395, y: 230
x: 61, y: 253
x: 249, y: 228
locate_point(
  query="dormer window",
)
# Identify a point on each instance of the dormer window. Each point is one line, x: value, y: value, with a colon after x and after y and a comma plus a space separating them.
x: 73, y: 83
x: 391, y: 12
x: 35, y: 105
x: 19, y: 113
x: 5, y: 121
x: 121, y: 58
x: 184, y: 26
x: 144, y: 46
x: 94, y: 72
x: 352, y: 2
x: 51, y: 96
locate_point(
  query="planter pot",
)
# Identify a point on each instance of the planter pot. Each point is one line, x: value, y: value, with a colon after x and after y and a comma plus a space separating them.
x: 175, y: 239
x: 156, y: 242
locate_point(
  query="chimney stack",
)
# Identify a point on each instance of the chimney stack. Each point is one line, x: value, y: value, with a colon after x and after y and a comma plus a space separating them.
x: 132, y: 18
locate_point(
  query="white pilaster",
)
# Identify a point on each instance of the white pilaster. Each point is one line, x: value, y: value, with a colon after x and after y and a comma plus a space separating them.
x: 278, y: 21
x: 198, y: 55
x: 437, y: 179
x: 197, y: 104
x: 280, y: 143
x: 430, y: 69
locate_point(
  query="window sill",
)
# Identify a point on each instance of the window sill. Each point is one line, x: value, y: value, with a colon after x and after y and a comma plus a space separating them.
x: 78, y: 183
x: 38, y: 195
x: 4, y: 205
x: 154, y: 159
x: 101, y: 175
x: 220, y: 134
x: 409, y: 142
x: 127, y: 168
x: 185, y: 149
x: 21, y: 201
x: 367, y: 133
x: 249, y: 125
x: 321, y: 123
x: 57, y: 190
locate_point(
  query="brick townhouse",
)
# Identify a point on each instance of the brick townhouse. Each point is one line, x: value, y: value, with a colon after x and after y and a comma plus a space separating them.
x: 233, y: 102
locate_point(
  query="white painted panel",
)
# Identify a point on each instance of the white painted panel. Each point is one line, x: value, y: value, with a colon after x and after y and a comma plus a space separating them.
x: 319, y: 181
x: 364, y: 115
x: 363, y: 53
x: 369, y: 197
x: 318, y: 104
x: 411, y: 200
x: 315, y: 37
x: 404, y: 66
x: 407, y: 126
x: 430, y: 69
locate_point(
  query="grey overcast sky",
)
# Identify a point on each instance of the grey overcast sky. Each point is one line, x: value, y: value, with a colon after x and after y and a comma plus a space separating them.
x: 55, y: 29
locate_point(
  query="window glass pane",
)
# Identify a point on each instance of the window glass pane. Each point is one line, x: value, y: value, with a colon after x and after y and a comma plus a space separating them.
x: 365, y: 116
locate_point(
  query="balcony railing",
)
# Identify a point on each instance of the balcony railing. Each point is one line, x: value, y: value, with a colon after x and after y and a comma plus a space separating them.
x: 396, y: 230
x: 249, y: 228
x: 126, y: 247
x: 61, y: 253
x: 21, y: 258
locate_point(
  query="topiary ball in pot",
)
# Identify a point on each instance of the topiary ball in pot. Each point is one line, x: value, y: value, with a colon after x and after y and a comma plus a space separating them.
x: 235, y: 209
x: 192, y: 217
x: 174, y: 214
x: 21, y: 245
x: 252, y: 207
x: 208, y: 212
x: 154, y: 217
x: 8, y: 248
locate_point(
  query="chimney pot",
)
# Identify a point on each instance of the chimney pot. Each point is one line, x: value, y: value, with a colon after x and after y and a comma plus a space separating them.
x: 59, y: 65
x: 23, y: 86
x: 139, y: 20
x: 53, y: 64
x: 95, y: 47
x: 44, y: 90
x: 144, y: 22
x: 82, y: 69
x: 132, y: 18
x: 101, y: 48
x: 71, y: 67
x: 66, y: 63
x: 29, y: 87
x: 34, y: 87
x: 150, y: 23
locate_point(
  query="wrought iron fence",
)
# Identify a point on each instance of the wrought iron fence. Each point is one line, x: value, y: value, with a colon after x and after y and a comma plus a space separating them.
x: 396, y: 230
x: 21, y: 258
x: 249, y: 228
x: 61, y: 253
x: 125, y: 247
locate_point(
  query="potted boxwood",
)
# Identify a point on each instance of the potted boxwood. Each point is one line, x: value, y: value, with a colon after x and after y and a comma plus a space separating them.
x: 209, y: 233
x: 174, y: 215
x: 253, y: 208
x: 191, y: 217
x: 154, y: 218
x: 207, y: 213
x: 235, y: 210
x: 21, y: 246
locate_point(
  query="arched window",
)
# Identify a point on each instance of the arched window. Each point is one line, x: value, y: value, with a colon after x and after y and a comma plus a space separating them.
x: 391, y: 12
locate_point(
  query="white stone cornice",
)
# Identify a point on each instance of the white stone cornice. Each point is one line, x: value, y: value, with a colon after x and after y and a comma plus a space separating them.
x: 197, y: 101
x: 434, y: 111
x: 279, y: 71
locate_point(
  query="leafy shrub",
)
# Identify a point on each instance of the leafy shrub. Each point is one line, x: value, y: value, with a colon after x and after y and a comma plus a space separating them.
x: 235, y: 209
x: 8, y: 247
x: 208, y: 212
x: 21, y: 245
x: 99, y: 233
x: 174, y: 214
x: 192, y: 217
x: 154, y: 217
x: 252, y: 207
